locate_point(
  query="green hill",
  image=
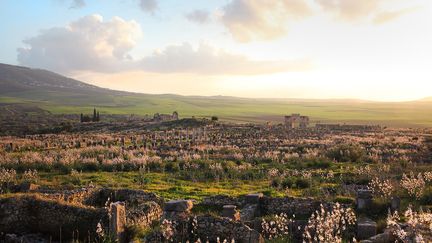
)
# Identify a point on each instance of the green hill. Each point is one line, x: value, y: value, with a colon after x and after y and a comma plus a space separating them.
x: 61, y: 95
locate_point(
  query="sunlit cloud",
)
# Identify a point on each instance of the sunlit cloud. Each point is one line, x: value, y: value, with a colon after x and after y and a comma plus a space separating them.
x: 249, y: 20
x: 350, y: 10
x: 208, y: 60
x: 90, y: 43
x: 93, y: 44
x: 387, y: 16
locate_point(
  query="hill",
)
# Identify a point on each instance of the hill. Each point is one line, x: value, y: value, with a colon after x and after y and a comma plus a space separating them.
x: 61, y: 95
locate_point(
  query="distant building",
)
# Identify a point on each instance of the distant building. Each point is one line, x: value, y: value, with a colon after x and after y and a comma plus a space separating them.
x: 296, y: 121
x: 165, y: 117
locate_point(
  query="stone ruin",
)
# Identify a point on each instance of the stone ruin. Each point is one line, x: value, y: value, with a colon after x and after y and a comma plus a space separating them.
x: 177, y: 209
x: 364, y: 199
x: 76, y: 215
x: 296, y: 121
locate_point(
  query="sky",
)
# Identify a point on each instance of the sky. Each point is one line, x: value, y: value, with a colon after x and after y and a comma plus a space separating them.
x: 357, y: 49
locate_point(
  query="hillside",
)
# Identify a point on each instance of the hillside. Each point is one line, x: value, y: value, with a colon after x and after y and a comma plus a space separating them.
x: 61, y: 95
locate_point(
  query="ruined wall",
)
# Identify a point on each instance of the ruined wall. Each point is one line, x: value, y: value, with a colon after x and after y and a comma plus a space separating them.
x: 221, y: 200
x: 142, y: 208
x: 301, y: 207
x: 210, y: 228
x: 32, y: 213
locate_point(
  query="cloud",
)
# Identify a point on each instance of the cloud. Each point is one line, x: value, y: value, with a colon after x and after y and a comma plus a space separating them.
x: 350, y: 9
x: 198, y: 16
x: 387, y: 16
x: 249, y: 20
x: 92, y: 44
x: 77, y: 4
x: 358, y: 10
x: 86, y: 44
x: 149, y: 6
x: 210, y: 61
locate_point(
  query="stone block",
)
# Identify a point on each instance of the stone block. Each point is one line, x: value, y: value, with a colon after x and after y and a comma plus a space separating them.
x: 364, y: 199
x: 363, y: 203
x: 249, y: 212
x: 28, y: 187
x: 229, y: 211
x: 364, y: 193
x: 178, y: 206
x: 118, y: 220
x: 395, y: 204
x: 253, y: 198
x: 366, y: 229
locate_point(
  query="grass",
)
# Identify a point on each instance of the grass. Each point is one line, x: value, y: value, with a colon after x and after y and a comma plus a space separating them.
x: 234, y: 109
x: 402, y: 114
x: 163, y: 184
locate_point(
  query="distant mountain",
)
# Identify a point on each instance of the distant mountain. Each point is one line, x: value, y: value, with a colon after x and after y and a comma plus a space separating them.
x: 33, y: 89
x: 15, y: 79
x: 427, y: 99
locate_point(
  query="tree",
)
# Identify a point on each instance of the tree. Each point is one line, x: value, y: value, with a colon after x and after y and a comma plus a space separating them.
x: 94, y: 114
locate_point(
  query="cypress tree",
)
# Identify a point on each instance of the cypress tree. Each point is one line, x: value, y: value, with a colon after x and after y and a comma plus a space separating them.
x: 94, y: 114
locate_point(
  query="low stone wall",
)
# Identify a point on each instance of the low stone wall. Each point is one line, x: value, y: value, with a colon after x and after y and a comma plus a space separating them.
x: 220, y: 201
x: 145, y: 214
x: 130, y: 197
x: 212, y: 228
x: 142, y: 207
x: 80, y: 195
x: 301, y: 207
x: 34, y: 214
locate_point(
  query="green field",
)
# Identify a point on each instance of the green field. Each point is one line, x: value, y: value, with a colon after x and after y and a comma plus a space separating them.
x: 406, y: 114
x: 62, y: 95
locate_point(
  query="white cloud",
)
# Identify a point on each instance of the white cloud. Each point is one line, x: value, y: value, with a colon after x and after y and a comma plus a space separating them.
x: 86, y: 44
x: 198, y: 16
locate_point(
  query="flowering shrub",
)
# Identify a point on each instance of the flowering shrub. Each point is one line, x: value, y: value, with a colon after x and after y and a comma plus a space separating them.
x: 168, y: 229
x: 413, y: 185
x: 7, y: 177
x: 31, y: 176
x: 381, y: 188
x: 277, y: 227
x: 328, y: 226
x: 418, y: 226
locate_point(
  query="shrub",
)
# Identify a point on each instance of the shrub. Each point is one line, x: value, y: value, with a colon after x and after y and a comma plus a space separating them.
x: 302, y: 183
x: 346, y: 153
x: 287, y: 183
x: 344, y: 200
x: 276, y: 182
